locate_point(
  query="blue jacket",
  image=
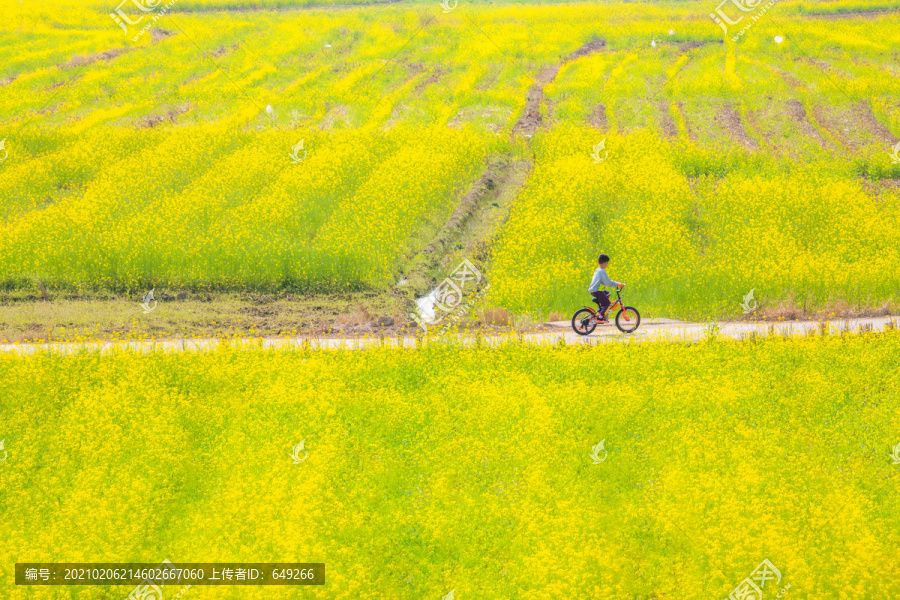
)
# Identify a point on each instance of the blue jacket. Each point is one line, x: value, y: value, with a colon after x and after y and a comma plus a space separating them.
x: 601, y: 278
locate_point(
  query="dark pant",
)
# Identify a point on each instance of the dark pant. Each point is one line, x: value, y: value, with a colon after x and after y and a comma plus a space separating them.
x: 602, y: 300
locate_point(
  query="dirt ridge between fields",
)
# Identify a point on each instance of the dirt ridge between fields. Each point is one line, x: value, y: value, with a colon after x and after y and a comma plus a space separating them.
x: 531, y: 118
x: 489, y: 185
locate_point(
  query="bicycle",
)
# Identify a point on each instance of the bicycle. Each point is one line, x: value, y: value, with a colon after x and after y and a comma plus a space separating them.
x: 586, y: 319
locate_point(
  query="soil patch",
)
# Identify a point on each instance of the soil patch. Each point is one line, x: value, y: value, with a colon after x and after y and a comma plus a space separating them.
x: 840, y: 134
x: 855, y: 127
x: 691, y: 130
x: 160, y: 34
x: 586, y: 49
x: 797, y: 113
x: 27, y: 318
x: 170, y: 116
x: 499, y: 115
x: 221, y: 50
x: 598, y: 117
x: 792, y: 309
x: 732, y: 119
x: 875, y: 128
x: 433, y: 78
x: 79, y: 61
x: 531, y: 118
x: 666, y: 122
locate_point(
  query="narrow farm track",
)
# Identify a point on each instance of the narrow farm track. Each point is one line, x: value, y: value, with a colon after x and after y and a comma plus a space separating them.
x: 560, y: 332
x: 598, y: 118
x: 735, y: 125
x: 469, y: 217
x: 531, y: 118
x: 798, y: 113
x: 473, y: 210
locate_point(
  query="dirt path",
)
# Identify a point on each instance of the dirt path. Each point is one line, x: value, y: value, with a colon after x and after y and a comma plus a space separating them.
x: 735, y: 125
x: 553, y: 333
x: 797, y: 112
x: 472, y: 226
x: 666, y: 122
x: 532, y: 118
x: 598, y: 118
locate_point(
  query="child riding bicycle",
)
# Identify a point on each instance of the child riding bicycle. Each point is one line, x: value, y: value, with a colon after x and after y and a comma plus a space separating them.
x: 601, y: 278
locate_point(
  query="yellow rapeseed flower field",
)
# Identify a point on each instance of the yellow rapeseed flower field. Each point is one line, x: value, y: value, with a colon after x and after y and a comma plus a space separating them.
x: 167, y: 155
x: 274, y: 144
x: 466, y: 469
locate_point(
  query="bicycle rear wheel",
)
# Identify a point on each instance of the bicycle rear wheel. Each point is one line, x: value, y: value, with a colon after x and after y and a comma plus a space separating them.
x: 583, y: 322
x: 628, y: 319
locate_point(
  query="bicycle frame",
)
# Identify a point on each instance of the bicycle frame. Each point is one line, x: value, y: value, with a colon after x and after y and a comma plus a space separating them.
x: 616, y: 304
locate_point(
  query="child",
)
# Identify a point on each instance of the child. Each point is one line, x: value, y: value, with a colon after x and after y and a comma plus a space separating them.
x: 601, y: 278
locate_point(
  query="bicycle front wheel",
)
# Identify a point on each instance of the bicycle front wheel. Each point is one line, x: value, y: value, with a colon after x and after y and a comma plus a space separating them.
x: 628, y: 319
x: 583, y: 322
